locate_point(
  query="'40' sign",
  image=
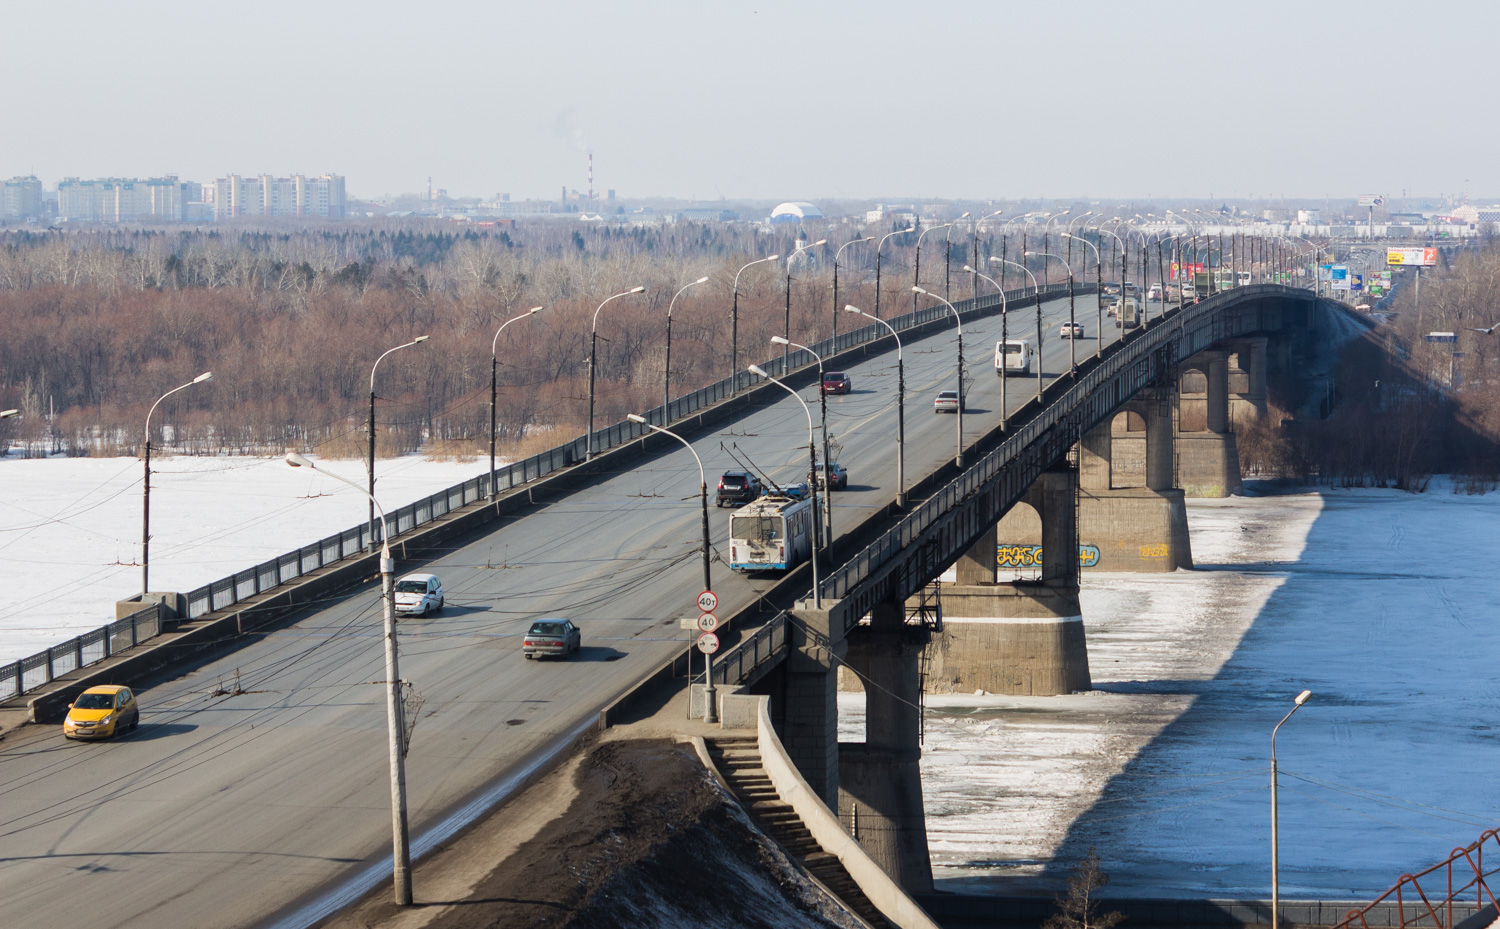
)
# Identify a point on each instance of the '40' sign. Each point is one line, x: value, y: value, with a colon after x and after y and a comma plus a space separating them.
x: 1030, y: 556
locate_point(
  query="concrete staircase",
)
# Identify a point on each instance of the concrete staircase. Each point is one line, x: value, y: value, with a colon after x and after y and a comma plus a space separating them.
x: 738, y: 761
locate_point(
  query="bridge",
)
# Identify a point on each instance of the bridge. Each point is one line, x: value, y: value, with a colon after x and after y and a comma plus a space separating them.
x: 255, y: 792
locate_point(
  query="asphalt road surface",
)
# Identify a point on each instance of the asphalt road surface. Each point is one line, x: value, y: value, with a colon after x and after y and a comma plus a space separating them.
x: 261, y: 779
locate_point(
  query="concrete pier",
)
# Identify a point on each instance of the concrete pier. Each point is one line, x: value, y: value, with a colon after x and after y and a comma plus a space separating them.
x: 1018, y: 637
x: 880, y: 783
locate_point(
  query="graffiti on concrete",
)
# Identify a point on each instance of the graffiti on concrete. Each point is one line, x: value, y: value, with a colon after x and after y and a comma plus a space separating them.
x: 1030, y: 556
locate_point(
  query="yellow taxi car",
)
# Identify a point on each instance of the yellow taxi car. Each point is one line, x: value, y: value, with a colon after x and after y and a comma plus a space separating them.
x: 102, y: 712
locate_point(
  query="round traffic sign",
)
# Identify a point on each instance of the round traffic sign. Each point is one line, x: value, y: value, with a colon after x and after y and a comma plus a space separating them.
x: 707, y: 601
x: 708, y: 622
x: 708, y: 643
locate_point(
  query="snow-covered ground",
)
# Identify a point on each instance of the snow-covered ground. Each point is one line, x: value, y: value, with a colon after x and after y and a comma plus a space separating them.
x: 70, y: 528
x: 1384, y: 604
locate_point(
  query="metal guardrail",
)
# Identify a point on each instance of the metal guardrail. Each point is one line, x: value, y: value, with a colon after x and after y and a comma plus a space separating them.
x: 20, y: 677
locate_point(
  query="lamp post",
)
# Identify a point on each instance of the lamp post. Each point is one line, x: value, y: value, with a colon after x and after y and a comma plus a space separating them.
x: 666, y: 379
x: 394, y: 712
x: 975, y: 240
x: 812, y: 473
x: 373, y: 368
x: 948, y: 257
x: 1004, y: 313
x: 916, y: 274
x: 790, y: 260
x: 836, y: 255
x: 494, y: 385
x: 1275, y: 838
x: 900, y: 407
x: 1046, y: 230
x: 958, y: 456
x: 593, y: 358
x: 1098, y: 295
x: 1037, y: 293
x: 712, y: 713
x: 1072, y: 337
x: 827, y: 478
x: 734, y: 325
x: 1123, y: 275
x: 878, y: 247
x: 146, y: 492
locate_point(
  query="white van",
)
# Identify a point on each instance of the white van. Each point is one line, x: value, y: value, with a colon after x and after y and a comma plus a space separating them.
x: 1013, y: 356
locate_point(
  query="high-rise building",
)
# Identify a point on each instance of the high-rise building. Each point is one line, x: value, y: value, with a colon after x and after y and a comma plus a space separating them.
x: 120, y: 199
x: 20, y: 198
x: 298, y: 195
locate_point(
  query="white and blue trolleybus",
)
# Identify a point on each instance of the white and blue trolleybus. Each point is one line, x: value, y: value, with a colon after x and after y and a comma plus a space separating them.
x: 771, y: 534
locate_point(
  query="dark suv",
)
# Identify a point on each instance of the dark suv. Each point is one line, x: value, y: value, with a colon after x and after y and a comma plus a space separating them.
x: 836, y: 382
x: 736, y: 488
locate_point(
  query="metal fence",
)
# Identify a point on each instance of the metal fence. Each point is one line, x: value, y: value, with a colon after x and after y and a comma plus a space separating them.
x: 29, y: 673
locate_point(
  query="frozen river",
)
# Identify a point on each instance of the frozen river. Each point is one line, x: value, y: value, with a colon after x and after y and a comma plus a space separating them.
x: 1383, y: 603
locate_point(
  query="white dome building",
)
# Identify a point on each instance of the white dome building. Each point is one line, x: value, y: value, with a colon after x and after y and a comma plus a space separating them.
x: 795, y: 212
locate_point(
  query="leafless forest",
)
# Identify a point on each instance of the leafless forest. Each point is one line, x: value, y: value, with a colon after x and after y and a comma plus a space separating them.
x: 101, y: 323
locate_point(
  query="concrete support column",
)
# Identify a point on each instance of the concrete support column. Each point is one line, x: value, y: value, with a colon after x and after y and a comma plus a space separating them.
x: 810, y: 710
x: 1096, y: 458
x: 1247, y: 384
x: 880, y: 795
x: 1026, y: 636
x: 1218, y: 391
x: 1154, y: 404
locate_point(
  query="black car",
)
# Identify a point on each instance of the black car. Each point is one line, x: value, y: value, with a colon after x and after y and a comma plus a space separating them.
x: 737, y: 488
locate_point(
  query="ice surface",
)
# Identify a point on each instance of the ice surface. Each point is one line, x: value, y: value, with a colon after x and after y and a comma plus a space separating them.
x: 1382, y: 603
x: 70, y: 528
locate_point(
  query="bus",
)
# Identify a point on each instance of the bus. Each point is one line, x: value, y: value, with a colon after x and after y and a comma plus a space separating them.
x: 1013, y: 356
x: 773, y: 533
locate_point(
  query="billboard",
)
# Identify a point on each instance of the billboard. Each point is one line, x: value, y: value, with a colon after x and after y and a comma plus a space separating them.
x: 1372, y: 200
x: 1414, y: 257
x: 1340, y: 277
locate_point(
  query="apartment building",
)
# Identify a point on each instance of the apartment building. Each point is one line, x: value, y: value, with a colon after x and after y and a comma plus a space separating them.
x: 120, y: 200
x: 298, y: 195
x: 20, y: 198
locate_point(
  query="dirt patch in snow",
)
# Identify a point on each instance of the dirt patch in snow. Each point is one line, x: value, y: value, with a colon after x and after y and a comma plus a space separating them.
x: 649, y: 839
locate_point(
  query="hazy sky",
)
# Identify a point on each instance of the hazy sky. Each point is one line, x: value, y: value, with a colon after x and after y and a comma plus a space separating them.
x: 763, y: 98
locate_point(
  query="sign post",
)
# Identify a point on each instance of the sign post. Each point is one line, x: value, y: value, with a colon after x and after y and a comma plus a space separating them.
x: 708, y: 643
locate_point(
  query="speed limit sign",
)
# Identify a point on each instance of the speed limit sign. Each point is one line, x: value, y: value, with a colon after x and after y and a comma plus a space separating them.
x: 708, y: 622
x: 708, y: 643
x: 707, y: 601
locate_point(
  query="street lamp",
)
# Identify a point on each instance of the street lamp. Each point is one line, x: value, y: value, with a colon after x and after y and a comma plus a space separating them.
x: 1275, y: 858
x: 974, y: 240
x: 878, y: 246
x: 790, y: 260
x: 417, y: 341
x: 1072, y: 337
x: 1037, y: 294
x: 1046, y: 229
x: 394, y: 712
x: 712, y: 714
x: 916, y: 274
x: 1098, y: 289
x: 666, y: 380
x: 900, y: 406
x: 868, y: 238
x: 823, y: 404
x: 146, y: 494
x: 812, y: 473
x: 958, y: 457
x: 1004, y: 315
x: 734, y: 325
x: 593, y: 357
x: 948, y: 256
x: 494, y: 381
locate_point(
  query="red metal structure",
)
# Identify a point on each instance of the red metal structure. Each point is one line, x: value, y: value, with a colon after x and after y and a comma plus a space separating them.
x: 1462, y: 874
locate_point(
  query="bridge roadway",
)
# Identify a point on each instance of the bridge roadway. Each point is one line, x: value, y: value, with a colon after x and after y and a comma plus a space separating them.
x: 226, y: 809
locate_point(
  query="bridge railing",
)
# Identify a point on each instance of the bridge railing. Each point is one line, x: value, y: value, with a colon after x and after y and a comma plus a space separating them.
x: 20, y: 677
x: 1434, y: 898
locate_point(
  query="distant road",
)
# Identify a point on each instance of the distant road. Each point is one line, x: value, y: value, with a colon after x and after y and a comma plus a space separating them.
x: 226, y: 807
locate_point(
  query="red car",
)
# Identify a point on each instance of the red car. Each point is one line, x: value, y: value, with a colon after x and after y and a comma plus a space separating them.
x: 836, y: 382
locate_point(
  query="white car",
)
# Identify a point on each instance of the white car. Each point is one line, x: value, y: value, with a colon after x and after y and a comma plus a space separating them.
x: 1071, y: 331
x: 419, y: 595
x: 946, y: 402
